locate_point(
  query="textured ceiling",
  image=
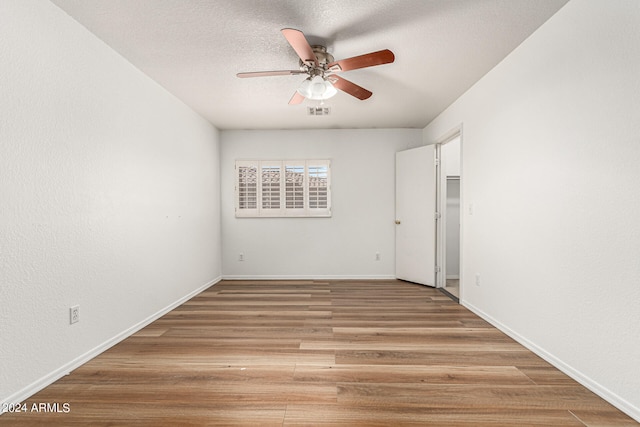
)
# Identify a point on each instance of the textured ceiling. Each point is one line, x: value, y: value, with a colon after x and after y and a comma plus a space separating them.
x: 194, y: 48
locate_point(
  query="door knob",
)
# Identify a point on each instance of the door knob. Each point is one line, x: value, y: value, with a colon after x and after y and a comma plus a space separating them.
x: 397, y: 222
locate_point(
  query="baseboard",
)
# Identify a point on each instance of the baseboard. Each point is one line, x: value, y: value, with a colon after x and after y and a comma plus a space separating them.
x: 54, y: 376
x: 453, y: 276
x: 592, y: 385
x: 303, y: 277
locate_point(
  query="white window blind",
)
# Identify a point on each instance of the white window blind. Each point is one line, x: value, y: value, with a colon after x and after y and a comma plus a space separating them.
x: 247, y: 186
x: 295, y: 188
x: 318, y: 186
x: 270, y: 181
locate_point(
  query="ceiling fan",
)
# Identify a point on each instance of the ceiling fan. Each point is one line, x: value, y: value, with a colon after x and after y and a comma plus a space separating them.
x: 323, y: 81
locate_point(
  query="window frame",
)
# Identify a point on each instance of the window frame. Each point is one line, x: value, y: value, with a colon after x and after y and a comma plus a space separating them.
x: 261, y: 209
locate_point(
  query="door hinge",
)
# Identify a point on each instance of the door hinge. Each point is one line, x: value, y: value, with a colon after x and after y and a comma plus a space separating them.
x: 437, y: 215
x: 437, y: 162
x: 437, y: 269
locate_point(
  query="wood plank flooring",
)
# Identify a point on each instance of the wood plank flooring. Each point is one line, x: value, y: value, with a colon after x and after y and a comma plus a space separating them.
x: 371, y: 353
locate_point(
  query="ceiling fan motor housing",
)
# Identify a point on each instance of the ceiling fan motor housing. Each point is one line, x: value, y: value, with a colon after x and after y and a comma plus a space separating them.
x: 324, y: 58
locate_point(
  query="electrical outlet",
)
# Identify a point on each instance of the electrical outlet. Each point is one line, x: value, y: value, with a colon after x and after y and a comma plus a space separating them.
x: 241, y: 257
x: 377, y: 256
x: 74, y: 314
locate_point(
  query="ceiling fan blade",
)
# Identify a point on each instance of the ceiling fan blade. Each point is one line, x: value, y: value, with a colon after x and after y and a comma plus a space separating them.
x: 367, y: 60
x: 350, y: 88
x: 296, y: 99
x: 269, y: 73
x: 300, y: 44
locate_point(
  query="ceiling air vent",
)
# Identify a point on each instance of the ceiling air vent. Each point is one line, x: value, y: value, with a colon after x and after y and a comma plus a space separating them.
x: 319, y: 111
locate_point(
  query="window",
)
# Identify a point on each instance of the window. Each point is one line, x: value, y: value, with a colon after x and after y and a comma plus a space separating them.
x: 283, y: 188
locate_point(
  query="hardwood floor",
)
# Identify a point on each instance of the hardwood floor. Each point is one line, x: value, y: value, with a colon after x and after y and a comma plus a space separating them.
x: 375, y: 353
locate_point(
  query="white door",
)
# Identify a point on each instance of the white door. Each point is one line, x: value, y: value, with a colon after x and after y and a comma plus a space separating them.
x: 415, y: 215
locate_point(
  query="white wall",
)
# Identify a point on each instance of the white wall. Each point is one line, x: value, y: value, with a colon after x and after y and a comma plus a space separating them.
x: 550, y: 163
x: 343, y: 246
x: 109, y: 197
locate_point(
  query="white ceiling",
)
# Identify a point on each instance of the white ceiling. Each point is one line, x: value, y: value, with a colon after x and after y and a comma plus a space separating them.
x: 194, y: 48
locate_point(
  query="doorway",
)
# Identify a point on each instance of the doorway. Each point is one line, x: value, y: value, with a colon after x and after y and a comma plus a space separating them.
x: 448, y: 233
x: 428, y: 193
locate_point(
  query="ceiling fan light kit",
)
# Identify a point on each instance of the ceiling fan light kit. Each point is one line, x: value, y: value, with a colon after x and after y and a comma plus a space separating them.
x: 317, y: 88
x: 323, y: 81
